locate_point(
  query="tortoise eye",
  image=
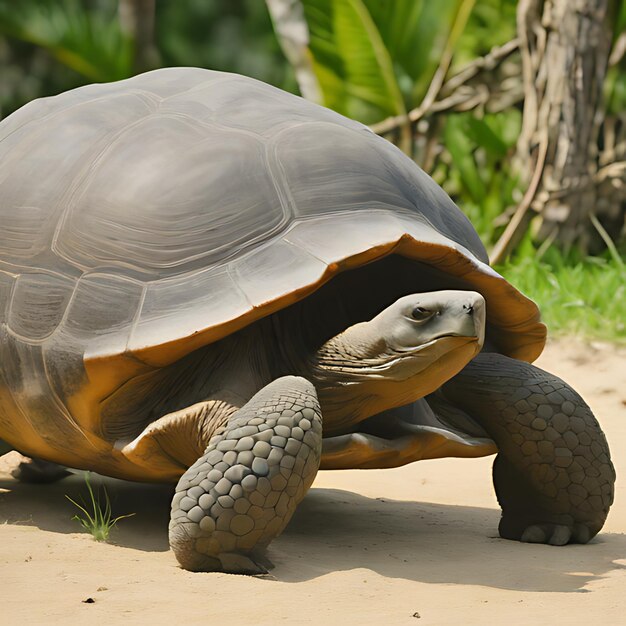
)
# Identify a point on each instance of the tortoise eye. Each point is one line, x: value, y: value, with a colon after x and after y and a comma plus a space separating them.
x: 420, y: 314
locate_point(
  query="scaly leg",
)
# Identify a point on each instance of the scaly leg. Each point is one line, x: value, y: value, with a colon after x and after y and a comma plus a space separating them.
x: 553, y: 474
x: 243, y: 491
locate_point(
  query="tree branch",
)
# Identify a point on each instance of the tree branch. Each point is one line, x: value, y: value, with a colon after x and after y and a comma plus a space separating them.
x: 457, y: 93
x: 517, y: 226
x: 615, y: 174
x: 292, y: 32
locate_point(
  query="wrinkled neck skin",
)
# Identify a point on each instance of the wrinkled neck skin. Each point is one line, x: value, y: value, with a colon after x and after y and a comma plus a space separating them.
x: 356, y: 372
x: 344, y: 371
x: 232, y: 370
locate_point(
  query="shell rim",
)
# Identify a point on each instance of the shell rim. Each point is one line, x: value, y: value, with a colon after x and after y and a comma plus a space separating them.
x: 522, y: 338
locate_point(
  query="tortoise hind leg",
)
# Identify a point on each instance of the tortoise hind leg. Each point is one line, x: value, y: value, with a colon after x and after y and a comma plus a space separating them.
x: 553, y: 474
x: 242, y: 492
x: 32, y: 470
x: 38, y: 471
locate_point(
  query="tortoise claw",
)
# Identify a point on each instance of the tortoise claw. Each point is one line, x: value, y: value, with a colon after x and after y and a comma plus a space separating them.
x: 553, y: 534
x: 560, y: 536
x: 534, y: 534
x: 549, y: 533
x: 235, y: 563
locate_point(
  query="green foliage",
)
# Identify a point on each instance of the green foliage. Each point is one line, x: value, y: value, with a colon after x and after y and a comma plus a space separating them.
x: 234, y: 36
x: 90, y: 42
x: 50, y: 46
x: 476, y: 167
x: 97, y: 517
x: 491, y: 23
x: 416, y: 33
x: 576, y: 296
x: 351, y: 62
x: 615, y: 84
x: 375, y: 58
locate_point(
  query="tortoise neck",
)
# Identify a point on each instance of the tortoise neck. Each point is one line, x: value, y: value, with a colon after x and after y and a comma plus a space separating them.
x: 342, y: 370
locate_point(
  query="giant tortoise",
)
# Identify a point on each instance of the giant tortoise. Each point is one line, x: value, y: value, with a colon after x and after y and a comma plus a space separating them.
x: 209, y: 281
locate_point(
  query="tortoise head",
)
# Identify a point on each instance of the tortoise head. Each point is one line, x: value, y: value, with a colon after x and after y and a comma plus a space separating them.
x: 402, y: 354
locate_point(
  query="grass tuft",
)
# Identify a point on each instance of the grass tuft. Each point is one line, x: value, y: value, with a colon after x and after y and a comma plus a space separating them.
x: 577, y: 296
x: 97, y: 517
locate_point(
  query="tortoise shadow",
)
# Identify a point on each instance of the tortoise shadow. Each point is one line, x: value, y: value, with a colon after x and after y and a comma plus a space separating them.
x: 431, y: 543
x: 335, y: 530
x: 48, y: 508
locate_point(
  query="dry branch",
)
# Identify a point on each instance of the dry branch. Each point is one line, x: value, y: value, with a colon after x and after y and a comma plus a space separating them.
x: 292, y: 32
x: 457, y: 94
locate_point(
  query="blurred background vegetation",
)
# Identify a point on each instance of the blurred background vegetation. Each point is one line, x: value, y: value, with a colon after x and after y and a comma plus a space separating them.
x: 448, y: 81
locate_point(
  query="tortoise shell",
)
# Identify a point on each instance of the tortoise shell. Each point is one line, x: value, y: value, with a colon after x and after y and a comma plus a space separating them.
x: 144, y: 219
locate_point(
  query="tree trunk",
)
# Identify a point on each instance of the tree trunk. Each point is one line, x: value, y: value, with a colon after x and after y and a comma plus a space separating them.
x: 565, y: 47
x: 137, y: 20
x: 292, y: 32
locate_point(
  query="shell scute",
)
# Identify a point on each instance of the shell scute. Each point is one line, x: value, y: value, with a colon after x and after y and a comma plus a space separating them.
x: 38, y: 304
x: 44, y: 162
x: 262, y: 274
x: 264, y: 111
x: 195, y: 195
x: 163, y: 212
x: 86, y: 315
x: 210, y: 294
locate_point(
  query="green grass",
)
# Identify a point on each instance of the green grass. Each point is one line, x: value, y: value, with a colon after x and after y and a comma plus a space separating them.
x: 583, y: 297
x: 96, y: 517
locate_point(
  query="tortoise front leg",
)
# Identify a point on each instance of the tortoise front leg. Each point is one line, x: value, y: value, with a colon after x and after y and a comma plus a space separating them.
x: 243, y: 491
x: 553, y: 474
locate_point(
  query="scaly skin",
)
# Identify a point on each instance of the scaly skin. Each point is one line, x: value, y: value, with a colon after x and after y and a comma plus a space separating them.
x: 243, y: 491
x: 553, y: 475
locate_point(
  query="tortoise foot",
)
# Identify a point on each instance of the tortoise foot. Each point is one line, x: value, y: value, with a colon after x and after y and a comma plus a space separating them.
x: 236, y: 563
x: 553, y: 475
x: 553, y: 534
x: 242, y: 492
x: 550, y: 504
x: 38, y: 471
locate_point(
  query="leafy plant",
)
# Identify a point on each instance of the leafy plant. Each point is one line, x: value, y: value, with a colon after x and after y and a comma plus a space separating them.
x: 233, y: 36
x: 491, y: 23
x: 615, y: 84
x: 475, y: 166
x: 97, y: 516
x: 576, y: 295
x: 374, y: 58
x: 90, y: 42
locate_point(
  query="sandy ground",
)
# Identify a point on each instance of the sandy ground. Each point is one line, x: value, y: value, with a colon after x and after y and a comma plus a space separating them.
x: 415, y: 545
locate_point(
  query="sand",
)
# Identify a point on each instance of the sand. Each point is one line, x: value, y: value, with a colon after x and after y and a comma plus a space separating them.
x: 415, y: 545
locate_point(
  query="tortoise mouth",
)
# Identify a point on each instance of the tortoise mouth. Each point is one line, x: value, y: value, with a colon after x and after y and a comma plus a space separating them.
x: 449, y: 335
x: 438, y: 348
x: 368, y: 391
